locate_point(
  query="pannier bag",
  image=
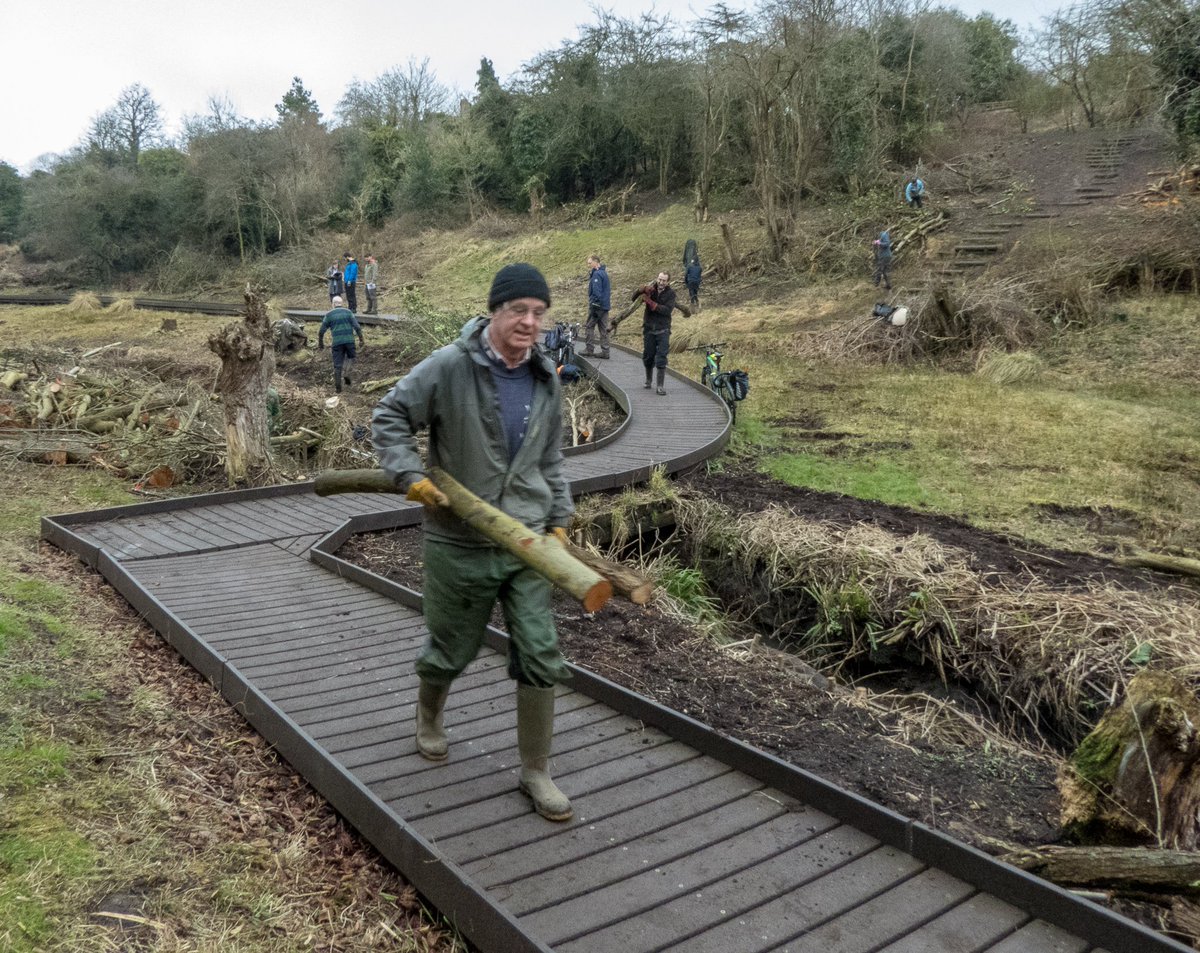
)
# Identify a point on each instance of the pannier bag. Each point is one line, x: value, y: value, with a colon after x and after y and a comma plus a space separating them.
x: 739, y: 384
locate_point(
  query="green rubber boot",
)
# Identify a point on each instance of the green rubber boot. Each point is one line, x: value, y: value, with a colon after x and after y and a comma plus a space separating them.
x: 431, y: 736
x: 535, y: 727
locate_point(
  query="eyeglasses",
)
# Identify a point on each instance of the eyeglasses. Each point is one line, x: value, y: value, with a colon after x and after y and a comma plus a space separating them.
x: 524, y: 311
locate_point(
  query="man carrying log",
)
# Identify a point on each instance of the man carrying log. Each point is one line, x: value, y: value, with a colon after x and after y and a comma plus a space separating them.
x: 493, y: 406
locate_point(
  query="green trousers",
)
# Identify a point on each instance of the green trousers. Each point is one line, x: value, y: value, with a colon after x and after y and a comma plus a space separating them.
x: 462, y: 585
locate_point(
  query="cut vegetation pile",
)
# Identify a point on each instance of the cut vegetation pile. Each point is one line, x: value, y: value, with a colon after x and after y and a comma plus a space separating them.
x: 1050, y: 657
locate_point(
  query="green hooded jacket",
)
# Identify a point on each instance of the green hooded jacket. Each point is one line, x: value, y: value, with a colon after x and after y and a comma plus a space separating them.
x: 452, y: 393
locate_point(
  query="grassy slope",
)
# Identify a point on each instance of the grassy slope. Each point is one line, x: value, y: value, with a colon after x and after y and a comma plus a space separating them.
x: 1093, y: 451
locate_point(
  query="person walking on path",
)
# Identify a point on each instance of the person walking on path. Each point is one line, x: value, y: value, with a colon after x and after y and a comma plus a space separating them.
x: 599, y: 303
x: 343, y: 327
x: 350, y: 276
x: 334, y: 277
x: 371, y: 277
x: 914, y: 192
x: 691, y: 279
x: 659, y: 300
x: 883, y: 260
x: 493, y: 407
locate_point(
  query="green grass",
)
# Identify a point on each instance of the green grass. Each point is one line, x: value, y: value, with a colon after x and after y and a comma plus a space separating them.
x: 461, y: 267
x: 872, y: 479
x: 29, y: 766
x: 1110, y: 425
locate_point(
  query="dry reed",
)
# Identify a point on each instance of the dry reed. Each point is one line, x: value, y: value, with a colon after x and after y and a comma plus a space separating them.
x: 1050, y: 657
x: 84, y: 302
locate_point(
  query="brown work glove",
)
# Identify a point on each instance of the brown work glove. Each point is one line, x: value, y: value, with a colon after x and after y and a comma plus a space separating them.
x: 428, y: 495
x: 559, y: 533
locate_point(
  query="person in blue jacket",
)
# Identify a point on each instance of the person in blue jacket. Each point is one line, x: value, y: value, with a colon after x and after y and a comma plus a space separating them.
x: 349, y: 277
x: 914, y: 192
x: 599, y: 303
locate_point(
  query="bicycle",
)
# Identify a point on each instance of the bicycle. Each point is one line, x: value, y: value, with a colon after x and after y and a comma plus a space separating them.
x: 730, y: 386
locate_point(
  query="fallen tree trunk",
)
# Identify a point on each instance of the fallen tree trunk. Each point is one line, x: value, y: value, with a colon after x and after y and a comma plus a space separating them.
x: 1174, y: 564
x: 1113, y: 867
x: 542, y: 553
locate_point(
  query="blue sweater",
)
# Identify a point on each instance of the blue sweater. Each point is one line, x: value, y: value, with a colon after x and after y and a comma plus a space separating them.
x: 350, y: 275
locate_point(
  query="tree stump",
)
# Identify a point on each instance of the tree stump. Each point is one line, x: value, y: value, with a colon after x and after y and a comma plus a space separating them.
x: 246, y: 350
x: 1136, y: 777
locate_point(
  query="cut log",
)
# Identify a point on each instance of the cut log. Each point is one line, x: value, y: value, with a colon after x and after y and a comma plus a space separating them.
x: 625, y: 582
x: 638, y: 303
x: 10, y: 379
x: 1119, y: 868
x: 542, y: 553
x: 1136, y: 777
x: 1180, y: 565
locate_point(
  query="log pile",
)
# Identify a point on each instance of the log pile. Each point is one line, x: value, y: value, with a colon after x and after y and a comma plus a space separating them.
x: 1168, y: 187
x: 139, y: 427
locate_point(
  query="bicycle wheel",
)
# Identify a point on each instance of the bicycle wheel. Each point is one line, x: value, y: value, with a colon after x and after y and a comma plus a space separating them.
x: 724, y: 390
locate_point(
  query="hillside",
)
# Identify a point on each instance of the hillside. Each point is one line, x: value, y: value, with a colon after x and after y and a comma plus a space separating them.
x: 1017, y: 489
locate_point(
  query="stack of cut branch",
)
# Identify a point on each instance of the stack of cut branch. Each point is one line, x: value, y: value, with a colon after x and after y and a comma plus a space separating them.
x: 128, y: 425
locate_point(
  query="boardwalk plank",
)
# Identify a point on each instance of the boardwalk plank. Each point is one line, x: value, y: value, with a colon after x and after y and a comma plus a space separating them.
x: 510, y: 805
x: 590, y: 806
x: 759, y: 909
x: 572, y: 754
x: 645, y: 837
x: 972, y: 925
x: 405, y: 772
x: 691, y: 854
x: 1040, y: 937
x: 885, y: 918
x: 658, y: 908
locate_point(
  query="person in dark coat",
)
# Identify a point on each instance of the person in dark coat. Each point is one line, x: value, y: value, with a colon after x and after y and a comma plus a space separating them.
x: 883, y: 260
x: 659, y: 299
x: 334, y: 277
x: 599, y: 302
x: 691, y: 278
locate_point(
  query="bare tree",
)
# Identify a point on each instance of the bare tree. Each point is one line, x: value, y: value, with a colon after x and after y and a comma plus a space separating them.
x: 401, y: 97
x: 1070, y: 48
x: 130, y: 125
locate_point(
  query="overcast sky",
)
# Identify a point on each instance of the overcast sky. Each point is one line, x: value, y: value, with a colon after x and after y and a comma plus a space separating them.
x: 65, y: 61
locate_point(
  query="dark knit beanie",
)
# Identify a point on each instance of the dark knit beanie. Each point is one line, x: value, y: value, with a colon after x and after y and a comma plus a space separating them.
x: 517, y: 281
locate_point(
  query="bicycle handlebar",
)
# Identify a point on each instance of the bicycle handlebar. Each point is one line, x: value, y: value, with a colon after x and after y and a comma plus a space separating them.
x: 707, y: 347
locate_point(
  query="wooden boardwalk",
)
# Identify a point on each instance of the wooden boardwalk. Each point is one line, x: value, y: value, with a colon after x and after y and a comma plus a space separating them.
x: 683, y: 839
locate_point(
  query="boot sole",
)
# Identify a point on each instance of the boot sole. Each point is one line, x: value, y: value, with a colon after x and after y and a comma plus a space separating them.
x: 570, y: 813
x: 433, y: 755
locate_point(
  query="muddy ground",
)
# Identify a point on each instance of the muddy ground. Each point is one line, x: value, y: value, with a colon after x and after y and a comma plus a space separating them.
x: 994, y: 792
